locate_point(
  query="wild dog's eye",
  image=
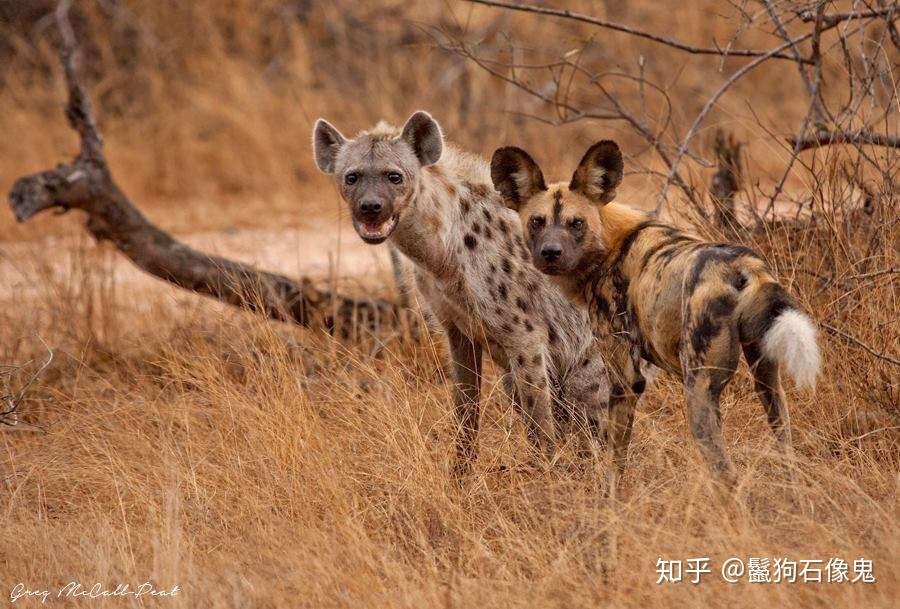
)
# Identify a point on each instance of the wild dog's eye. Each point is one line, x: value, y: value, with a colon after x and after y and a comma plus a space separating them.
x: 351, y: 178
x: 576, y: 224
x: 537, y: 222
x: 395, y: 178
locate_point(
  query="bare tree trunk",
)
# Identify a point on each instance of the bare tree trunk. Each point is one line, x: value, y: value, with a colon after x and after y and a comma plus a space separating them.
x: 87, y: 184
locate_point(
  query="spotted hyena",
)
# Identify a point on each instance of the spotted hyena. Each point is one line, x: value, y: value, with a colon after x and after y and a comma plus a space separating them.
x: 686, y: 305
x: 436, y: 205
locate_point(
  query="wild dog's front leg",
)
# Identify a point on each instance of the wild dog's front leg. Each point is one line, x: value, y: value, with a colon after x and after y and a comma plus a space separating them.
x: 529, y: 374
x: 466, y: 364
x: 627, y: 386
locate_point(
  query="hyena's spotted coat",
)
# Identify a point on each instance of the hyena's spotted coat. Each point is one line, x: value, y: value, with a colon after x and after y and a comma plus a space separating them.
x: 437, y: 206
x: 662, y: 295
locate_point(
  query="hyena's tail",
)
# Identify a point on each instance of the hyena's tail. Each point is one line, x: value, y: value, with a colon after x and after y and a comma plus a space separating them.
x: 785, y: 334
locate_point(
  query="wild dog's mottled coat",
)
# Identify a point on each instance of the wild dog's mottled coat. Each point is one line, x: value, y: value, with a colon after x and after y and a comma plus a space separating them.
x: 685, y: 305
x: 437, y: 206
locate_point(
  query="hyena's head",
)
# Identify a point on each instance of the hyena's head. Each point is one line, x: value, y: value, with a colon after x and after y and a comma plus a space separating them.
x: 378, y: 171
x: 562, y: 222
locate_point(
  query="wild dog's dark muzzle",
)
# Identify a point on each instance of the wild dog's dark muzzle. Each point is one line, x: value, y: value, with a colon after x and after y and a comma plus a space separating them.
x: 552, y: 251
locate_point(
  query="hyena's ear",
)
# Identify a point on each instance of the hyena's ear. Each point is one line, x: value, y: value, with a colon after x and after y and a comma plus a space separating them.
x: 516, y: 176
x: 599, y: 172
x: 424, y: 135
x: 327, y: 141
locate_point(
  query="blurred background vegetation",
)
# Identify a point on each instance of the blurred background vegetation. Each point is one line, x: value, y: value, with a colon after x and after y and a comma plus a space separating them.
x: 211, y: 98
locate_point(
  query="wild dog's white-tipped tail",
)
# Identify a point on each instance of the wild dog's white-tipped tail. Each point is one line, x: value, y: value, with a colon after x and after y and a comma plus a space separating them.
x: 791, y: 341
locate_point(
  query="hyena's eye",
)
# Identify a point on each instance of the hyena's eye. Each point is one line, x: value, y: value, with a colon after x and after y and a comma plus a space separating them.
x: 537, y: 222
x: 351, y: 178
x: 395, y: 178
x: 576, y: 224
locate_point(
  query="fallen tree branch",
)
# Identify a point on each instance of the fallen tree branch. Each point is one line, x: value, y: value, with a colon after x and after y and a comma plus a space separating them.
x: 825, y: 137
x: 87, y: 184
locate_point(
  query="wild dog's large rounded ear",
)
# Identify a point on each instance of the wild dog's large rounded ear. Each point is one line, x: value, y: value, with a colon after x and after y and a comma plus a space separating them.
x: 327, y: 141
x: 424, y: 135
x: 599, y: 173
x: 516, y: 176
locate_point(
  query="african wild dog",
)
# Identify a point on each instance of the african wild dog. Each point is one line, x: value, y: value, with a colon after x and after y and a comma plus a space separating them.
x: 437, y: 206
x: 660, y: 294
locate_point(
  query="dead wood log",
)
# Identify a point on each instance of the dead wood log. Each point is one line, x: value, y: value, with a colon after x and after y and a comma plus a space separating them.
x: 86, y: 183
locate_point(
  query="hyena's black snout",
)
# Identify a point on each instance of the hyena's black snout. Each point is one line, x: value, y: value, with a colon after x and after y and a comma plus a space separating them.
x: 373, y: 218
x: 370, y: 209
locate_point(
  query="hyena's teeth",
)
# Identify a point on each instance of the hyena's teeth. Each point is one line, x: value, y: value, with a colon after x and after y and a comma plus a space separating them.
x: 374, y: 231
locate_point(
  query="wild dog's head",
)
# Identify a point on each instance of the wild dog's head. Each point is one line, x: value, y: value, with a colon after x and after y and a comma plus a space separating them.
x: 378, y: 171
x: 562, y: 222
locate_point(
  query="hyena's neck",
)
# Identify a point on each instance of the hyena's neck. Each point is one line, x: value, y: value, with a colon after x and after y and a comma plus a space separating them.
x: 425, y: 232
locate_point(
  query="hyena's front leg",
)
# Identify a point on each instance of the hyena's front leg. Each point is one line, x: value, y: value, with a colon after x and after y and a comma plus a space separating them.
x: 586, y: 391
x: 466, y: 364
x: 529, y: 374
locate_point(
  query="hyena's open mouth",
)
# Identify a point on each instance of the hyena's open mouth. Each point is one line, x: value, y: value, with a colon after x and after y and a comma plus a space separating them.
x: 375, y: 232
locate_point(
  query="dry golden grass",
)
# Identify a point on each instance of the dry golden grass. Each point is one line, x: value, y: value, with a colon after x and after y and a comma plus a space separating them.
x: 259, y: 465
x: 262, y: 466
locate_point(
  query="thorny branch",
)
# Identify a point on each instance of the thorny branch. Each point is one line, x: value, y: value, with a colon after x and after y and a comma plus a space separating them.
x: 852, y: 339
x: 569, y: 113
x: 827, y: 137
x: 834, y: 19
x: 9, y: 414
x: 820, y: 127
x: 707, y: 107
x: 627, y: 29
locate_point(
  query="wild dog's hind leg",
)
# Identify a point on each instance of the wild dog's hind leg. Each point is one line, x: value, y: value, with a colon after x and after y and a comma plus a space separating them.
x: 466, y: 356
x: 708, y: 365
x: 767, y: 383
